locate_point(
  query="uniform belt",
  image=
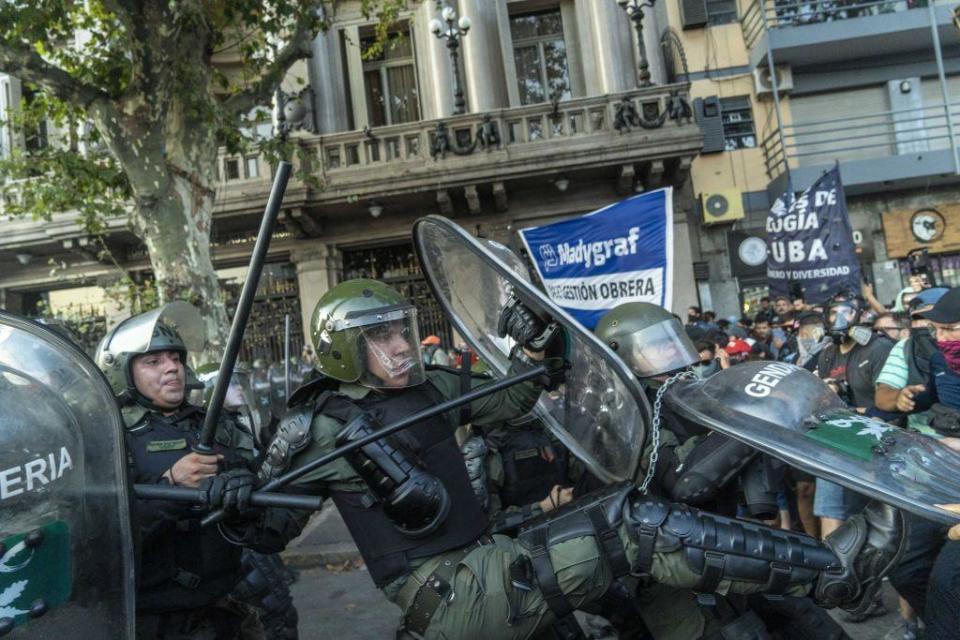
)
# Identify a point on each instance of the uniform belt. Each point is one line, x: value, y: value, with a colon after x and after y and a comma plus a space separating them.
x: 424, y: 595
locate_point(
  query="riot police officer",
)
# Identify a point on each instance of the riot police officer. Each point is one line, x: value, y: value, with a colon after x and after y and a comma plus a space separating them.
x: 703, y: 468
x: 186, y: 571
x: 266, y: 580
x: 408, y: 503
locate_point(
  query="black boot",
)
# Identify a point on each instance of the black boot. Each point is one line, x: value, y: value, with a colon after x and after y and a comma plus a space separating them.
x: 868, y: 546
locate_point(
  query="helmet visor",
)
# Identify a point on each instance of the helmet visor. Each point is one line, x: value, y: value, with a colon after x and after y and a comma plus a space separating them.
x: 658, y: 349
x: 389, y: 349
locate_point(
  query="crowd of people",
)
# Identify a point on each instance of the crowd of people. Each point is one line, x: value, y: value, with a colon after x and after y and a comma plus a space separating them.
x: 898, y: 362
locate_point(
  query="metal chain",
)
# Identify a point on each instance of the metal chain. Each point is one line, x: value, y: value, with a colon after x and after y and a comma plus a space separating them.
x: 657, y: 408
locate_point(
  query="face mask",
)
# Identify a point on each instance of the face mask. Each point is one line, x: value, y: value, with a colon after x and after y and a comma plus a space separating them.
x: 692, y: 318
x: 705, y: 370
x: 860, y: 334
x: 951, y: 353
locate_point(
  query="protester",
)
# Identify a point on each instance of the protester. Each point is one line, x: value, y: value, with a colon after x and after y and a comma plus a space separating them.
x: 850, y: 365
x: 783, y: 311
x: 810, y: 339
x: 927, y: 575
x: 709, y: 362
x: 433, y: 352
x: 892, y: 325
x: 907, y: 368
x: 741, y: 328
x: 709, y: 321
x: 762, y: 335
x: 737, y: 350
x: 766, y: 312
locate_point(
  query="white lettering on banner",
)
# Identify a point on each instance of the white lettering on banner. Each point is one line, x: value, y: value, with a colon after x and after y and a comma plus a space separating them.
x: 596, y: 254
x: 794, y: 251
x: 803, y: 274
x: 604, y: 291
x: 33, y: 474
x: 763, y: 382
x: 793, y: 222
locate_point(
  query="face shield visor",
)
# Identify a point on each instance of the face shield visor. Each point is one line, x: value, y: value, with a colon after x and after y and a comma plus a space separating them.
x: 658, y: 349
x: 388, y: 348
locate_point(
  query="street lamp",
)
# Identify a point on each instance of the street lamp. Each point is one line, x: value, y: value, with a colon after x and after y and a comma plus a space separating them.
x: 454, y: 31
x: 634, y: 9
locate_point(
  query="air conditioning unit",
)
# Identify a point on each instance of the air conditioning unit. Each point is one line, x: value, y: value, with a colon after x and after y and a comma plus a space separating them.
x: 721, y: 207
x: 763, y: 85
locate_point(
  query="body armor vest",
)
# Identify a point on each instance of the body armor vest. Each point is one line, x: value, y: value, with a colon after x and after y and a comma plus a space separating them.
x: 386, y: 551
x: 917, y: 352
x: 532, y: 464
x: 183, y: 565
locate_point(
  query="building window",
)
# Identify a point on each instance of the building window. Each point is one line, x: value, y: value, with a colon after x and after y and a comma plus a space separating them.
x: 721, y: 11
x: 541, y: 56
x: 34, y: 135
x: 390, y: 81
x: 738, y: 131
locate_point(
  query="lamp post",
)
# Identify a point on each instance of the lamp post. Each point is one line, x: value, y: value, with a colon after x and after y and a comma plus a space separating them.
x: 452, y: 33
x: 634, y: 9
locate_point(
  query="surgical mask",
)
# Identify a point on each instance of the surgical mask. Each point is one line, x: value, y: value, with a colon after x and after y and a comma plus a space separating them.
x: 705, y: 370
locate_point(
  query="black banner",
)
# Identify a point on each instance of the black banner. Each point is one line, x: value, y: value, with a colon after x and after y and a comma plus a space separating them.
x: 810, y: 242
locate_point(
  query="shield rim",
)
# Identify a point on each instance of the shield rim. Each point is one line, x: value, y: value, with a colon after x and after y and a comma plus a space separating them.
x: 97, y: 377
x: 675, y: 399
x: 629, y: 380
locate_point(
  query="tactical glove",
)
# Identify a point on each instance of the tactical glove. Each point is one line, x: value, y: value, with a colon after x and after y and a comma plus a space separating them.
x: 523, y: 325
x: 230, y: 491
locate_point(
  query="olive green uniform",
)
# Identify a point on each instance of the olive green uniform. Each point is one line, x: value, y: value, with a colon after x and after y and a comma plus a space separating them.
x: 483, y: 601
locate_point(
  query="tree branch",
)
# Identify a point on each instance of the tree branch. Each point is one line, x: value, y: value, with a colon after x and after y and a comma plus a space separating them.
x: 27, y: 65
x: 297, y: 48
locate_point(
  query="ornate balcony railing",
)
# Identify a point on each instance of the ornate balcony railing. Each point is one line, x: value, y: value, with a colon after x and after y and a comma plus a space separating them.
x: 652, y: 122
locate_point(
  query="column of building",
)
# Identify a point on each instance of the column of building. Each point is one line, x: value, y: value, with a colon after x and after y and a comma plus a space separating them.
x: 316, y: 274
x: 485, y: 82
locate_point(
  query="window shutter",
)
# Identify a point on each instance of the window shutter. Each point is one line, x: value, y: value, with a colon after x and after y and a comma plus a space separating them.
x: 693, y: 13
x: 710, y: 118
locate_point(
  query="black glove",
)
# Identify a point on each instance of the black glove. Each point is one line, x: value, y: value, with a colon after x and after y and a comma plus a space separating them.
x: 524, y: 326
x: 230, y: 491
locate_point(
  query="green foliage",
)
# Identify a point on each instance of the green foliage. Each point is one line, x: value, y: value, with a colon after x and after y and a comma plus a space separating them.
x: 133, y: 92
x: 57, y: 177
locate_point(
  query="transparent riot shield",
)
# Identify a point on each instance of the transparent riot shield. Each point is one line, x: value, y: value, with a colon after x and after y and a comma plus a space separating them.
x: 239, y: 399
x: 600, y: 413
x: 260, y: 384
x: 791, y: 414
x: 278, y: 390
x: 134, y: 334
x: 66, y: 552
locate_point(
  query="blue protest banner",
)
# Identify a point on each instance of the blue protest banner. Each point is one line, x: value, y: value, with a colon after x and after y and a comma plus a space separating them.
x: 810, y: 242
x: 621, y: 253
